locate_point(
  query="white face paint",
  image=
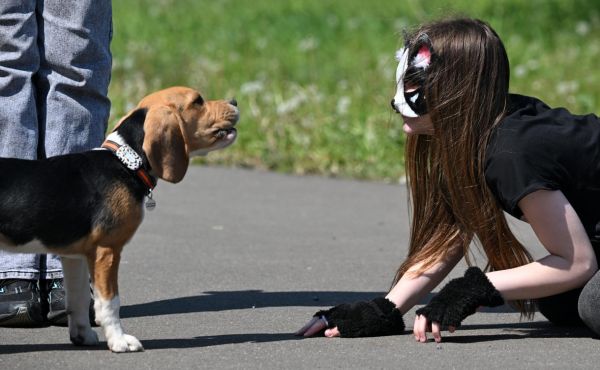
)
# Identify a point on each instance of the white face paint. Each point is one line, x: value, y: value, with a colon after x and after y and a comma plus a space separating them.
x: 400, y: 103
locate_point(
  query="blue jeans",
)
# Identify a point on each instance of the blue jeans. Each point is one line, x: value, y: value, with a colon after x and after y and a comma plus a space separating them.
x: 55, y: 66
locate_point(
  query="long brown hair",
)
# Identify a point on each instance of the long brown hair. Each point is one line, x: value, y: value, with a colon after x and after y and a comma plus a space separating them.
x: 467, y: 95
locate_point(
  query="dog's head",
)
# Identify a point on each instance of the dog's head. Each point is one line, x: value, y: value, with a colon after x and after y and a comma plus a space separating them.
x: 179, y: 124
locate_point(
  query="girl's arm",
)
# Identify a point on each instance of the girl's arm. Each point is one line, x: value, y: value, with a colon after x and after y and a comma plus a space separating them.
x: 571, y: 260
x: 410, y: 289
x: 406, y: 293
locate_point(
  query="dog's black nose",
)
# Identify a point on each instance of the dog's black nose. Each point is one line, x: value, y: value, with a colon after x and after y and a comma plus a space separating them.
x: 233, y: 102
x: 394, y: 106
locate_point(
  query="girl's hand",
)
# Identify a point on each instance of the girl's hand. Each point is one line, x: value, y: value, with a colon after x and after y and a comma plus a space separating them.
x: 422, y: 326
x: 458, y: 299
x: 372, y: 318
x: 316, y: 325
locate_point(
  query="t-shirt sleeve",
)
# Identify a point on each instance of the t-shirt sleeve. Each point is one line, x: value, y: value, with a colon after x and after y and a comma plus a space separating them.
x: 513, y: 174
x: 536, y: 147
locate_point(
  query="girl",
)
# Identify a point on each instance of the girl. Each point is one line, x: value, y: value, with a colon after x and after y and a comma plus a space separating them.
x: 473, y: 151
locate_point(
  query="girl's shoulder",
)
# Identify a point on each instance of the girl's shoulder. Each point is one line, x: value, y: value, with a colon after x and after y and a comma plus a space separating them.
x: 539, y: 147
x: 530, y: 126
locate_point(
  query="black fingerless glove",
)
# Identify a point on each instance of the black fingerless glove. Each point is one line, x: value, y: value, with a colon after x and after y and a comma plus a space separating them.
x: 460, y: 298
x: 378, y: 317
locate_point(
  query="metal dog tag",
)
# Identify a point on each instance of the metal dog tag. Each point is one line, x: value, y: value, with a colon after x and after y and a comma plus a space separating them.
x: 150, y: 203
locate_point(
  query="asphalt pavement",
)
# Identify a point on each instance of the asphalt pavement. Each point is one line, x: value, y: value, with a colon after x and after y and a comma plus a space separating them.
x: 232, y: 262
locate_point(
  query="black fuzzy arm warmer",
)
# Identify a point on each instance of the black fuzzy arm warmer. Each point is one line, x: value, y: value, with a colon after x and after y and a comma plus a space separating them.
x: 460, y: 298
x: 377, y: 317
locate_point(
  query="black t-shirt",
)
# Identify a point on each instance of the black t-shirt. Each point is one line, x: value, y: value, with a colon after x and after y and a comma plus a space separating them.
x: 537, y: 147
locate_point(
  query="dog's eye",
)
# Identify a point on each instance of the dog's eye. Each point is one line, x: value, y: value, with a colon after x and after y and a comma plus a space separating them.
x: 198, y: 100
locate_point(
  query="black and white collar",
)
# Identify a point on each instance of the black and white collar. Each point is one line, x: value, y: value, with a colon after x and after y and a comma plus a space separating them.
x: 133, y: 161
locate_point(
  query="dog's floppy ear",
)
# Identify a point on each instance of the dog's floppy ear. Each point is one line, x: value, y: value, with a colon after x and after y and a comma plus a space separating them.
x: 164, y: 143
x: 123, y: 119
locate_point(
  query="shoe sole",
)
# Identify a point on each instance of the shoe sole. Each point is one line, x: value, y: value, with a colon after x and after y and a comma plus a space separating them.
x: 62, y: 319
x: 20, y: 319
x: 59, y: 319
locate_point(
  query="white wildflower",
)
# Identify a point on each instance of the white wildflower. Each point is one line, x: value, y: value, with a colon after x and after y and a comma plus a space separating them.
x: 582, y: 28
x: 308, y: 44
x: 343, y: 104
x: 291, y: 104
x: 520, y: 70
x: 567, y: 87
x: 251, y: 87
x: 262, y: 43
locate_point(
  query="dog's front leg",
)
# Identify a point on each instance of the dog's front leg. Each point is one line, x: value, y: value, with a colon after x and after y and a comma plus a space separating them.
x: 106, y: 296
x: 77, y: 289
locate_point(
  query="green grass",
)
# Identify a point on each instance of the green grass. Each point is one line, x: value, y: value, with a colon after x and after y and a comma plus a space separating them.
x: 314, y: 78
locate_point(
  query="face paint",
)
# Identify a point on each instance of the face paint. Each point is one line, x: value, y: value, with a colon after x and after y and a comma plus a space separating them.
x: 411, y: 75
x: 399, y: 102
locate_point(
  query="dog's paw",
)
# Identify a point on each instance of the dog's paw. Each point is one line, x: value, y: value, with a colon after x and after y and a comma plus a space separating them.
x: 84, y: 337
x: 125, y: 343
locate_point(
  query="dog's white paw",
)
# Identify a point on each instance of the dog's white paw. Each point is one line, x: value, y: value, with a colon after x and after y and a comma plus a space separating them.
x: 83, y: 336
x: 125, y: 343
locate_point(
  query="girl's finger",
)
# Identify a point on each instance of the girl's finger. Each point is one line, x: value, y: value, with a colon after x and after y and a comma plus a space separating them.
x: 420, y: 328
x: 333, y: 332
x: 435, y: 330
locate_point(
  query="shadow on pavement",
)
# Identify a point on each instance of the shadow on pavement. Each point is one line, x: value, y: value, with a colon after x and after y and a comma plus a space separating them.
x: 52, y: 347
x: 153, y: 344
x: 217, y: 340
x: 510, y: 332
x: 243, y: 299
x: 247, y: 299
x: 523, y: 330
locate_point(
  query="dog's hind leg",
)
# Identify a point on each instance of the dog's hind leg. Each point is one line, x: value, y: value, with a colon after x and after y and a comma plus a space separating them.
x: 77, y: 289
x: 106, y: 296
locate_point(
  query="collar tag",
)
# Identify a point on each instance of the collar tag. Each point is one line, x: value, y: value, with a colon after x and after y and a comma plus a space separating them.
x: 150, y: 202
x: 129, y: 157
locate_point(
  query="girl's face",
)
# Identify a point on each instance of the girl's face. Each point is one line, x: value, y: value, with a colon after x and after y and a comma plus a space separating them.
x: 411, y: 75
x: 420, y: 125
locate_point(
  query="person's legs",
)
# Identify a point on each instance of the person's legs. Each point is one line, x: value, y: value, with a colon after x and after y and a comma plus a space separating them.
x: 561, y: 309
x: 19, y: 62
x: 74, y: 73
x: 73, y: 85
x: 54, y: 72
x: 73, y: 102
x: 589, y: 304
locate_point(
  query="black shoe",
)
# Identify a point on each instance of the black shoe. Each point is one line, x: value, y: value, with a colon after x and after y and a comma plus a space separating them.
x: 20, y: 304
x: 53, y: 292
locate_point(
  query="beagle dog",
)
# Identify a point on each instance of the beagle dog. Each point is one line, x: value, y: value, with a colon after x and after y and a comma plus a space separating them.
x: 85, y: 207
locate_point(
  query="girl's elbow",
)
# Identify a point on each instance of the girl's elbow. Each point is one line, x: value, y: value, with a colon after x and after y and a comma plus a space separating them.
x: 586, y: 270
x: 592, y: 269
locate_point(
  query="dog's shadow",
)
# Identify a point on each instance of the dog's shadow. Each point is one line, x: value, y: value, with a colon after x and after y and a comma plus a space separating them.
x: 152, y: 344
